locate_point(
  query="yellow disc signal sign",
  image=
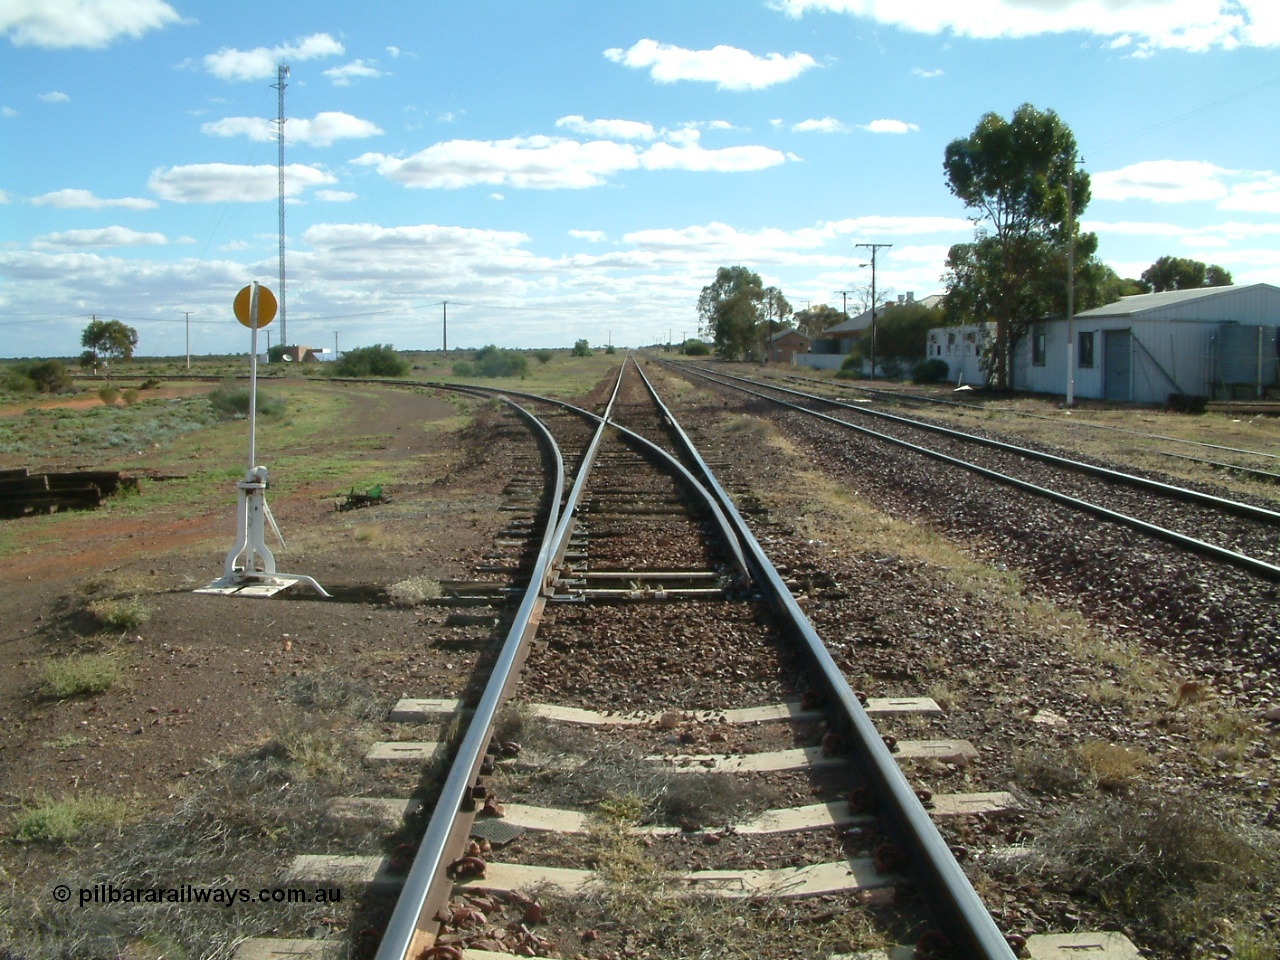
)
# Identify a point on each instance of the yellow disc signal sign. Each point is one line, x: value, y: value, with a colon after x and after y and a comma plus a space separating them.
x: 266, y: 306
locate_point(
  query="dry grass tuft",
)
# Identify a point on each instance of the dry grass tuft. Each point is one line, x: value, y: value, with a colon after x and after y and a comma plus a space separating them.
x: 120, y: 614
x: 62, y: 821
x: 414, y: 591
x: 370, y: 533
x: 80, y: 675
x: 1175, y: 873
x: 1112, y: 766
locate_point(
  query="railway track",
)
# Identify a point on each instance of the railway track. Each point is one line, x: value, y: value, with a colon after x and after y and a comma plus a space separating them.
x: 664, y: 735
x: 1210, y: 452
x: 1233, y: 532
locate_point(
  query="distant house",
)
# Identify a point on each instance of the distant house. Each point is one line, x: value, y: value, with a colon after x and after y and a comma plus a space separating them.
x: 786, y: 345
x: 319, y: 356
x: 962, y: 350
x: 830, y: 349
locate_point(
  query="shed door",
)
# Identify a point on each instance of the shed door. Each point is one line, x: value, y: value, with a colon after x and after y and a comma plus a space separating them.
x: 1117, y: 350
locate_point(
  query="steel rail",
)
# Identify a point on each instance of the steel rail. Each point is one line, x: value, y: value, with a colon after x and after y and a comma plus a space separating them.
x: 422, y: 882
x: 1252, y: 564
x: 427, y: 881
x: 725, y: 527
x: 1074, y: 424
x: 948, y: 893
x: 1261, y: 514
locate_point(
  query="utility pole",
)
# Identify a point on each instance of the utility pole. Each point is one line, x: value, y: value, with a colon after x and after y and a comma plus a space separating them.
x: 335, y: 345
x: 1071, y: 283
x: 188, y: 314
x: 445, y: 304
x: 874, y: 248
x: 844, y: 295
x: 281, y: 72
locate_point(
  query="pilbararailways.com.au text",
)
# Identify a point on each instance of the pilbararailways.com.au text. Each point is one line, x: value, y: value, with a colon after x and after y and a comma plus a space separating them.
x: 110, y: 893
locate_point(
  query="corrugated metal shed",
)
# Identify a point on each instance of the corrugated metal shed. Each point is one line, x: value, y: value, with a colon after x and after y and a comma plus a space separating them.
x: 1146, y: 347
x: 1256, y: 303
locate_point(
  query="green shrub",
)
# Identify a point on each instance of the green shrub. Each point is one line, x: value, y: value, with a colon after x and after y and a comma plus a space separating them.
x: 379, y: 360
x: 581, y: 348
x: 50, y: 376
x: 17, y: 381
x: 229, y: 399
x: 108, y: 395
x: 851, y: 367
x: 130, y: 396
x: 151, y: 383
x: 695, y: 348
x: 543, y: 356
x: 930, y: 371
x: 610, y: 349
x: 491, y: 361
x: 60, y: 821
x: 127, y: 614
x: 79, y: 676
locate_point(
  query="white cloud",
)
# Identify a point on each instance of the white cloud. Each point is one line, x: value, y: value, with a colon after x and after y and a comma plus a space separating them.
x: 260, y: 63
x: 1150, y: 25
x: 235, y: 245
x: 1191, y: 181
x: 873, y: 226
x: 591, y: 236
x: 342, y: 76
x: 729, y: 68
x: 888, y: 126
x: 8, y: 113
x: 554, y: 163
x: 692, y: 156
x: 804, y: 245
x: 81, y: 23
x: 4, y: 197
x: 1260, y: 195
x: 336, y: 196
x: 1162, y: 181
x: 825, y: 125
x: 925, y: 74
x: 497, y: 196
x: 54, y: 96
x: 393, y: 52
x: 101, y: 237
x: 72, y: 199
x: 544, y: 163
x: 232, y: 183
x: 327, y: 128
x: 608, y: 129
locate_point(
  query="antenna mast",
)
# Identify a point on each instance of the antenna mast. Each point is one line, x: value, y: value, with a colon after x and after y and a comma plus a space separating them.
x: 282, y: 71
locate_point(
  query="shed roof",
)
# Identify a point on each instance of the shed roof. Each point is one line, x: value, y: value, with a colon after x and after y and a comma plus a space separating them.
x: 782, y: 333
x: 1155, y: 302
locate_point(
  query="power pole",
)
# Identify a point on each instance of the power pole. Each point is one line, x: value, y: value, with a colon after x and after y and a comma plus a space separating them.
x: 335, y: 345
x: 844, y: 296
x: 1071, y: 283
x: 281, y: 72
x: 188, y: 314
x: 874, y: 248
x: 445, y: 304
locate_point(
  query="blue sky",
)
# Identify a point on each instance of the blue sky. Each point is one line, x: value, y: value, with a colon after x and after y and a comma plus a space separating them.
x: 557, y: 170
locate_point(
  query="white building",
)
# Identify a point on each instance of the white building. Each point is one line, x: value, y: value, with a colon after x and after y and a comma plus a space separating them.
x: 962, y: 349
x: 1207, y: 342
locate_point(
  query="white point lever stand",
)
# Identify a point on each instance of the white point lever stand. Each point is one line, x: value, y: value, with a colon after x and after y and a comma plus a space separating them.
x: 250, y: 568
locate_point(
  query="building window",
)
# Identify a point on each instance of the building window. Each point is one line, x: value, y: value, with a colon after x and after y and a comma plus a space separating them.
x: 1084, y: 353
x: 1037, y: 348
